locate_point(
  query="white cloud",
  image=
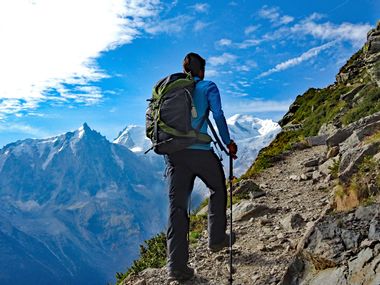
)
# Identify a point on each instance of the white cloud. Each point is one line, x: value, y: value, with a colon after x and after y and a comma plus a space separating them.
x: 315, y: 16
x: 46, y: 44
x: 201, y: 7
x: 246, y: 66
x: 274, y: 16
x: 199, y: 25
x: 211, y: 73
x: 222, y: 59
x: 248, y: 43
x: 250, y: 29
x: 257, y: 106
x: 23, y: 128
x: 313, y: 52
x: 168, y: 26
x: 223, y: 42
x: 354, y: 33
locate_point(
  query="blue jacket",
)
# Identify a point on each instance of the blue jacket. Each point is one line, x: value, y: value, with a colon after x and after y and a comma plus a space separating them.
x: 206, y: 97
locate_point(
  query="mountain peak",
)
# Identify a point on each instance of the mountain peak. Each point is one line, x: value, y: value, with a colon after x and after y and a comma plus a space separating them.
x: 83, y: 130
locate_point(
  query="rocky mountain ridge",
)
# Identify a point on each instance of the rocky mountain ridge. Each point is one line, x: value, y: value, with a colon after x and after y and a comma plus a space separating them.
x: 310, y: 213
x: 73, y: 208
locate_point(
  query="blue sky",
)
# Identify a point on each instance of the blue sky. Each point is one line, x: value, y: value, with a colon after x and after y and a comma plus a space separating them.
x: 66, y: 62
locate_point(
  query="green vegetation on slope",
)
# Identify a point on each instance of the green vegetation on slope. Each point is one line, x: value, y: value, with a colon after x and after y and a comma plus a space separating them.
x: 369, y: 104
x: 152, y: 255
x: 317, y: 107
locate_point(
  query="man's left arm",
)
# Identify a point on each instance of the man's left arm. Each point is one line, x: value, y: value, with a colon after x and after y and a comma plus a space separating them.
x: 215, y: 104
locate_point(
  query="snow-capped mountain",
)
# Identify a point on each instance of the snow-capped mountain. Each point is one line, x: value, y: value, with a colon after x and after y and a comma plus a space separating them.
x: 133, y: 137
x: 74, y: 209
x: 251, y: 135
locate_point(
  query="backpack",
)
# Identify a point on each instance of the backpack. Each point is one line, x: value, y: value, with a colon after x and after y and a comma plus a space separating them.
x: 169, y: 114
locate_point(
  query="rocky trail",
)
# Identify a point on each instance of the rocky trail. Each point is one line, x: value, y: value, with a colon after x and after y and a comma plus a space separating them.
x: 268, y: 227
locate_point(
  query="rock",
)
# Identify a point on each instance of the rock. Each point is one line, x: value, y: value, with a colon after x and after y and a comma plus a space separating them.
x: 294, y: 177
x: 246, y: 186
x: 141, y: 282
x: 367, y: 213
x: 358, y: 136
x: 305, y: 177
x: 317, y: 140
x: 325, y: 168
x: 294, y: 107
x: 292, y: 221
x: 263, y: 186
x: 256, y: 194
x: 374, y: 230
x: 246, y: 210
x: 351, y: 159
x: 338, y: 137
x: 350, y: 239
x: 316, y: 175
x: 328, y: 178
x: 333, y: 151
x: 350, y: 94
x: 356, y: 265
x: 373, y: 41
x: 342, y: 134
x: 294, y: 272
x: 368, y: 130
x: 376, y: 157
x: 331, y: 276
x: 327, y: 129
x: 311, y: 162
x: 286, y: 119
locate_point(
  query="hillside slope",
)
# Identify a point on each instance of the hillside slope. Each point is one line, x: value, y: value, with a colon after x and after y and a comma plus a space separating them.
x: 313, y: 207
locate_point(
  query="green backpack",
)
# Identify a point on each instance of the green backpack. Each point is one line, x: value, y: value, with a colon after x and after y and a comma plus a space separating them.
x: 169, y: 114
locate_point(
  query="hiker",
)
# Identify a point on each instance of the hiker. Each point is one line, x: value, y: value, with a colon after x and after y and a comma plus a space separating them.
x: 197, y: 160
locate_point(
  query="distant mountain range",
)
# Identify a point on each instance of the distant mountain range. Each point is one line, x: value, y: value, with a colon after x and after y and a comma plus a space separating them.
x: 76, y: 207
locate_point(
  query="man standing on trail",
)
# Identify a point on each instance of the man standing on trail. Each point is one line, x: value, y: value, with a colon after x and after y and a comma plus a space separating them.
x: 197, y: 160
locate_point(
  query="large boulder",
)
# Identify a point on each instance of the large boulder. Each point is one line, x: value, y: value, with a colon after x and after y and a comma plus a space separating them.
x: 373, y: 40
x: 352, y: 158
x: 364, y: 126
x: 343, y: 248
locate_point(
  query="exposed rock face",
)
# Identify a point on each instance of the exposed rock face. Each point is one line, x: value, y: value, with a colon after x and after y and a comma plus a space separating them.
x: 374, y: 40
x: 343, y: 249
x: 360, y: 127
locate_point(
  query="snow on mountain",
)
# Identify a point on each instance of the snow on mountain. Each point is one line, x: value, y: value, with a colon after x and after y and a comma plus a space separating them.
x: 251, y: 135
x: 74, y: 208
x: 133, y: 137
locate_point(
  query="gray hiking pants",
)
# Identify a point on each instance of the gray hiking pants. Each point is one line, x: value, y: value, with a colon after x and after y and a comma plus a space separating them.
x: 182, y: 169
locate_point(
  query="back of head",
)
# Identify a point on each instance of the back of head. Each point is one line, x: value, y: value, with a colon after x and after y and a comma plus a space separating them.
x: 194, y: 64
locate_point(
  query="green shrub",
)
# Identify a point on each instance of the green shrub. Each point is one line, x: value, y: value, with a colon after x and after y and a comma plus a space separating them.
x: 152, y: 255
x: 268, y: 155
x: 368, y: 104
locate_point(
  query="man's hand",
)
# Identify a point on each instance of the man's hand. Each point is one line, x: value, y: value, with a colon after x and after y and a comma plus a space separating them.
x: 232, y: 148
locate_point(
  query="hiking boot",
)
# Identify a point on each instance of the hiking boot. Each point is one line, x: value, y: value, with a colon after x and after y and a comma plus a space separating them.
x: 181, y: 275
x: 225, y: 243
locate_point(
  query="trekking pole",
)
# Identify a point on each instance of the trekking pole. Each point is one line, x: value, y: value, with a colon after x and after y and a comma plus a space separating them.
x: 231, y: 177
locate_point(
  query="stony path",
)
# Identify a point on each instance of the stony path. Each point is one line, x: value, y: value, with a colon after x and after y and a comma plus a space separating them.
x: 265, y: 244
